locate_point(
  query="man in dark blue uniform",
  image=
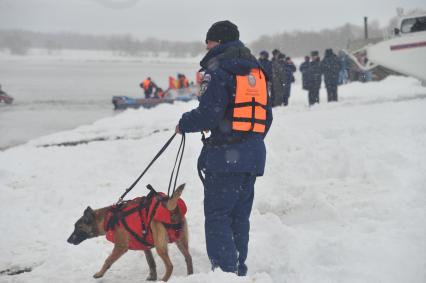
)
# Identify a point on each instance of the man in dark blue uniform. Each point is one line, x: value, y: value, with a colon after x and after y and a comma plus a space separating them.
x: 230, y: 159
x: 303, y: 69
x: 313, y: 77
x: 265, y: 63
x: 330, y: 67
x: 289, y: 69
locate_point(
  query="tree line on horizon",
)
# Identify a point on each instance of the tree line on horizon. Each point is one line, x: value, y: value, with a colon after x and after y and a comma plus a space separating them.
x: 18, y: 42
x: 295, y: 43
x: 301, y: 43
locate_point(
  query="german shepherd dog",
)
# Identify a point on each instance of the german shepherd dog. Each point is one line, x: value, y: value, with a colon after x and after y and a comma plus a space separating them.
x: 91, y: 225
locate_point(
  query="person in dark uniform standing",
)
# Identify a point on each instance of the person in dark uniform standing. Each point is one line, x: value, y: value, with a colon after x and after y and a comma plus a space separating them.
x: 289, y: 69
x: 303, y: 69
x: 330, y: 68
x: 234, y: 107
x: 266, y: 64
x: 277, y: 80
x: 313, y: 76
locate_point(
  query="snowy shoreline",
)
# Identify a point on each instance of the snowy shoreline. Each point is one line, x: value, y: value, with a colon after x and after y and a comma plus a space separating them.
x: 46, y: 55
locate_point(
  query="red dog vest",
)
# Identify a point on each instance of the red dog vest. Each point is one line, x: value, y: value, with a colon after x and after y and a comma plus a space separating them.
x: 136, y: 219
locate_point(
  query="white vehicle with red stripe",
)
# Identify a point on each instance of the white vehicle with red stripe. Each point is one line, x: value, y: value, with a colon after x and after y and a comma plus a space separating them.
x: 404, y: 52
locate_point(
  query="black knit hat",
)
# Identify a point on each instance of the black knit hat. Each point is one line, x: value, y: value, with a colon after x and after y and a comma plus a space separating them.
x: 275, y: 52
x: 328, y: 51
x: 223, y: 31
x: 264, y: 54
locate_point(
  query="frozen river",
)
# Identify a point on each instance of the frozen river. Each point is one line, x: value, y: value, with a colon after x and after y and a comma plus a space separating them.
x: 55, y: 93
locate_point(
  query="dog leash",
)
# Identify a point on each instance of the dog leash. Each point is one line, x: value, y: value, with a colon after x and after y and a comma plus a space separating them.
x: 180, y: 151
x: 178, y: 156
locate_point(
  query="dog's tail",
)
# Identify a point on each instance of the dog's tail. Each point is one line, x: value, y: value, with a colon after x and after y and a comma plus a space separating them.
x: 172, y: 202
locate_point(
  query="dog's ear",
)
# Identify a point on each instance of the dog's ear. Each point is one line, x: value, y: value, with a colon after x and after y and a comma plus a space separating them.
x: 89, y: 215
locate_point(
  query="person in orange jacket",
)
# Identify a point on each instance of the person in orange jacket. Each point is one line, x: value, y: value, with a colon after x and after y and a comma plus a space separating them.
x: 182, y: 81
x: 148, y: 86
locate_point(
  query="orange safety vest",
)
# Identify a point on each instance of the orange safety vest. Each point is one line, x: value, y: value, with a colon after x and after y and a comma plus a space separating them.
x: 251, y: 98
x: 146, y: 84
x: 183, y: 82
x: 173, y: 83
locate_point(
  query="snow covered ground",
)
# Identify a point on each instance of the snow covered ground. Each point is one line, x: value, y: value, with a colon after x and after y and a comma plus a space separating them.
x: 343, y: 198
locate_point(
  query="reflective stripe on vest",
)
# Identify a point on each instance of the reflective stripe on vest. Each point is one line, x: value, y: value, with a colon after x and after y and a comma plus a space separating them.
x: 251, y: 98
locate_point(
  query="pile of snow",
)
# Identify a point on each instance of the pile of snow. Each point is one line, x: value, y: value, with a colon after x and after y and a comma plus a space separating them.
x: 343, y: 198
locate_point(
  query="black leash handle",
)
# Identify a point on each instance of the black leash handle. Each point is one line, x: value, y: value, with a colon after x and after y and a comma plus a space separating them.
x: 146, y: 169
x: 178, y: 156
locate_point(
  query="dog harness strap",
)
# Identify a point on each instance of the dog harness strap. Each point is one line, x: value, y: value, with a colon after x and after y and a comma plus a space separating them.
x: 144, y: 231
x: 124, y: 214
x: 134, y: 234
x: 153, y: 212
x: 175, y: 226
x: 113, y: 220
x: 118, y: 213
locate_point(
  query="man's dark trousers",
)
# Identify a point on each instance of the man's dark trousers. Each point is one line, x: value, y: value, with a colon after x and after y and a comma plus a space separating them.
x: 313, y: 96
x: 332, y: 93
x: 286, y: 96
x: 228, y: 199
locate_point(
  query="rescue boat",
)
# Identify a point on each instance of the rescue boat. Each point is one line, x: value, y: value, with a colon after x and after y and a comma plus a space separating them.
x: 6, y: 98
x: 124, y: 102
x: 172, y: 95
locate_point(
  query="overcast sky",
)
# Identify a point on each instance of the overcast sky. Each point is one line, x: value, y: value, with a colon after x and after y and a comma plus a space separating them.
x: 189, y: 20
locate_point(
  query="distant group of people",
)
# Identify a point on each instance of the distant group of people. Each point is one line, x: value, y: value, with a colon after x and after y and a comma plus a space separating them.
x: 281, y: 70
x: 152, y: 90
x: 312, y: 71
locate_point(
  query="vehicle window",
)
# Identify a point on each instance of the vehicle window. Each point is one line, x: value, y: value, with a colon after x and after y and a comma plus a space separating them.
x: 413, y: 25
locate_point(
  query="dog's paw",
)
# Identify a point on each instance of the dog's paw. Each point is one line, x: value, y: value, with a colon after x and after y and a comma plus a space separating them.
x: 152, y: 277
x: 98, y: 275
